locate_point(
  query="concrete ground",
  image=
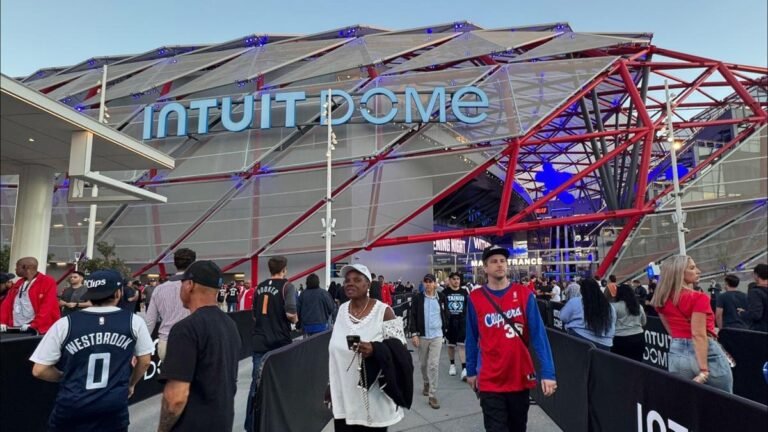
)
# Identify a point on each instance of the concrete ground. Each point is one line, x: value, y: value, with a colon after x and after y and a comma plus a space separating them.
x: 459, y: 411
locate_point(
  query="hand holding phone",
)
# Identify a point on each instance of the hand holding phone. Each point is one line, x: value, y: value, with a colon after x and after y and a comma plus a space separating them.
x: 353, y: 341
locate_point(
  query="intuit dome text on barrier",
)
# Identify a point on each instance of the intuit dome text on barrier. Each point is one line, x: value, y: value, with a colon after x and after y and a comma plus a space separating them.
x: 437, y: 103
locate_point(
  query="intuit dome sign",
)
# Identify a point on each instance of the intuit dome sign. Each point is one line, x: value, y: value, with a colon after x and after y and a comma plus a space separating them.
x: 376, y: 106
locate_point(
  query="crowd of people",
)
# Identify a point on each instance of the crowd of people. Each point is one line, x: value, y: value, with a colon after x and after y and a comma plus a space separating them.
x: 98, y: 348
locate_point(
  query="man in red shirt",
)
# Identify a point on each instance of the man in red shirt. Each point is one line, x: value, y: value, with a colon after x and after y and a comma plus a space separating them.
x: 246, y: 297
x: 32, y: 302
x: 499, y: 364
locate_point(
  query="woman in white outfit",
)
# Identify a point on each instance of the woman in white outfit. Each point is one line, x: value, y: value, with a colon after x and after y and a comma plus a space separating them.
x: 354, y: 408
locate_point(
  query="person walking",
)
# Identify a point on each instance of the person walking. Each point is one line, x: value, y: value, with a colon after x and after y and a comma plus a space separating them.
x: 590, y: 316
x: 363, y: 326
x: 610, y: 288
x: 629, y: 340
x: 503, y: 321
x: 694, y: 352
x: 71, y: 299
x: 572, y: 290
x: 756, y: 313
x: 32, y: 303
x: 246, y: 297
x: 316, y: 307
x: 148, y: 291
x: 428, y: 322
x: 274, y: 310
x: 232, y: 294
x: 166, y: 306
x: 96, y: 347
x: 457, y: 301
x: 221, y: 296
x: 200, y: 367
x: 729, y: 303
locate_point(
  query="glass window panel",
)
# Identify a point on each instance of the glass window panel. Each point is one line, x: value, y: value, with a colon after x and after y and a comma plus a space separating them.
x: 264, y: 207
x: 520, y: 95
x: 574, y: 42
x: 656, y: 237
x: 91, y: 78
x: 7, y: 213
x: 382, y: 197
x: 734, y: 245
x: 69, y: 225
x: 166, y: 70
x: 254, y: 62
x: 53, y: 80
x: 363, y: 51
x: 740, y: 174
x: 469, y: 45
x: 143, y: 231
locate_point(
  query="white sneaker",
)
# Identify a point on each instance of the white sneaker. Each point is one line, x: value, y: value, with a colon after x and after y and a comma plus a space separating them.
x: 452, y: 370
x: 464, y: 374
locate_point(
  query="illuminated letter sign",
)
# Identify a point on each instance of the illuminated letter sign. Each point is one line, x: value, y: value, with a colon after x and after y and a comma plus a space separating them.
x: 467, y: 106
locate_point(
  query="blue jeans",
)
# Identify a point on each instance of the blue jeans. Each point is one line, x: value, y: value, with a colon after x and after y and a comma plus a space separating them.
x: 231, y: 307
x: 258, y: 363
x: 682, y: 363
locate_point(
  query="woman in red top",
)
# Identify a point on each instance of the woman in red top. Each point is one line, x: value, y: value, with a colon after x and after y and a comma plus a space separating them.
x: 687, y: 315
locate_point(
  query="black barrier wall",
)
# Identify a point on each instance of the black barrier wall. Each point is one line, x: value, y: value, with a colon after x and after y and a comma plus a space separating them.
x: 647, y: 399
x: 568, y: 406
x: 750, y: 350
x: 657, y: 342
x: 26, y: 402
x: 293, y: 383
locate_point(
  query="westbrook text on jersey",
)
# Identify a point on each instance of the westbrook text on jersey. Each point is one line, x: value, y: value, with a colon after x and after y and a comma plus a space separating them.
x: 98, y: 338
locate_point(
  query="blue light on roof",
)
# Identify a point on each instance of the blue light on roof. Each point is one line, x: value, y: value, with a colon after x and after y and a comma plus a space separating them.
x: 552, y: 179
x: 616, y: 101
x: 681, y: 171
x: 429, y: 31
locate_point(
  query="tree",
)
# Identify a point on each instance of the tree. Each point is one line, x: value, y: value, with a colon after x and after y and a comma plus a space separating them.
x: 5, y: 258
x: 109, y: 260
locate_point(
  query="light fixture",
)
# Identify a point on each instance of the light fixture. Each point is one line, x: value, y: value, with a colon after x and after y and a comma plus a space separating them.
x: 31, y: 139
x: 677, y: 145
x: 58, y: 225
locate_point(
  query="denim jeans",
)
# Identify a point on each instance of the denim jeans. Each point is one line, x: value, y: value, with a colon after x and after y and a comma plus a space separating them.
x: 258, y: 362
x: 682, y: 363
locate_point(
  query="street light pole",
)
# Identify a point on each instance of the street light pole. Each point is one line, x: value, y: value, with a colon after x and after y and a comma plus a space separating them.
x: 95, y: 188
x: 679, y: 216
x: 328, y: 222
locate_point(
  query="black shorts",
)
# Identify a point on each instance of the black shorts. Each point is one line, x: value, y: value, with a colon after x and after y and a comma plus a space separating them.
x: 457, y: 331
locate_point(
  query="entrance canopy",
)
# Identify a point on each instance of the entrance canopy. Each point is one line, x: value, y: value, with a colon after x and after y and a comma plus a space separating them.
x: 40, y: 137
x: 38, y: 130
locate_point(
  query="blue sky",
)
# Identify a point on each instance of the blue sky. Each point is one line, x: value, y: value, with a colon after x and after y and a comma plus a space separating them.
x: 43, y: 33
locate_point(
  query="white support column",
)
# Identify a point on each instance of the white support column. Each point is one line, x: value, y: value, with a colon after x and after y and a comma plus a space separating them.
x: 32, y: 223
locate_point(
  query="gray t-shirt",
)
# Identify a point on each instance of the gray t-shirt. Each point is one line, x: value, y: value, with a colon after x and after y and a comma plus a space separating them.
x: 626, y: 323
x: 23, y: 312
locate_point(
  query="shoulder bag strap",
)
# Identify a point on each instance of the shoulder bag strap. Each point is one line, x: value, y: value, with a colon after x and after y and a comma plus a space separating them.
x: 500, y: 312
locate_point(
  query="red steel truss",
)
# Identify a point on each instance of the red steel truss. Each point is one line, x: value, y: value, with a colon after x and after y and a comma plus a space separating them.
x: 643, y: 116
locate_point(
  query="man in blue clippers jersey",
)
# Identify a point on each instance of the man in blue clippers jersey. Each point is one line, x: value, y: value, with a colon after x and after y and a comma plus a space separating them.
x: 96, y: 346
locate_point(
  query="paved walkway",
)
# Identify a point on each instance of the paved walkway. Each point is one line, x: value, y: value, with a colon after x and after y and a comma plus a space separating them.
x: 459, y: 411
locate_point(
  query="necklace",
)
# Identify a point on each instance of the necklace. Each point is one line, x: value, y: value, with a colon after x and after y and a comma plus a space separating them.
x: 358, y: 316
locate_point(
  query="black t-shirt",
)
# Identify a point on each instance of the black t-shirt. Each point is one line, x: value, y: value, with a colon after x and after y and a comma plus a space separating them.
x: 456, y: 302
x: 221, y: 295
x: 124, y: 304
x: 730, y: 301
x: 203, y: 350
x: 271, y: 328
x: 232, y: 295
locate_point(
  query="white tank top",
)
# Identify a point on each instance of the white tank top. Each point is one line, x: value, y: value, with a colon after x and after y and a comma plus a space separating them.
x: 348, y: 400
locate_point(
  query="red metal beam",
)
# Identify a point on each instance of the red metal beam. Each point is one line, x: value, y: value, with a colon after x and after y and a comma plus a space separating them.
x: 520, y: 226
x: 607, y: 260
x: 509, y: 180
x: 742, y: 92
x: 706, y: 163
x: 576, y: 178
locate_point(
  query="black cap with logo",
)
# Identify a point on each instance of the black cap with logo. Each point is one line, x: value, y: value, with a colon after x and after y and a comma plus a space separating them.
x: 205, y: 273
x: 102, y: 284
x: 429, y: 277
x: 495, y: 250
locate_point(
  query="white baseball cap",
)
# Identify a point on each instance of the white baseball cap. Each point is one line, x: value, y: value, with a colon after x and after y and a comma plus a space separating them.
x: 358, y: 268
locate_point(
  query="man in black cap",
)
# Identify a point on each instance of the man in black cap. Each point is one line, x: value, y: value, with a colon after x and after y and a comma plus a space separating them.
x: 428, y: 324
x: 456, y: 299
x: 503, y: 328
x: 97, y: 345
x: 200, y: 367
